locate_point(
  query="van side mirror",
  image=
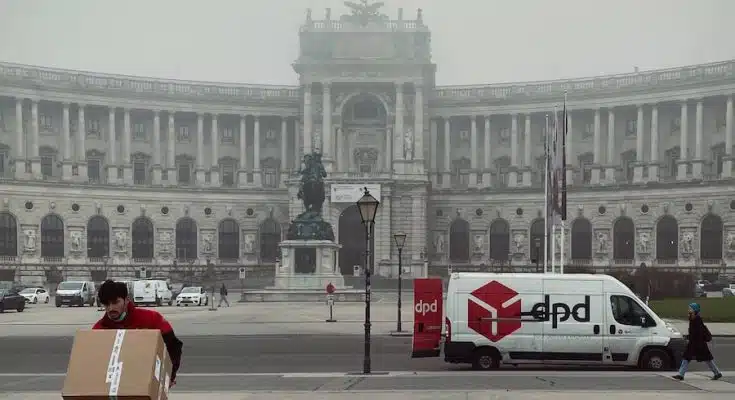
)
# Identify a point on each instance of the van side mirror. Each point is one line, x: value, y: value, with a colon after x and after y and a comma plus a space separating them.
x: 647, y: 322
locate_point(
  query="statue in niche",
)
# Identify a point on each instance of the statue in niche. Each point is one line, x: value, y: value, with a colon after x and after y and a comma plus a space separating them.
x: 731, y: 241
x: 29, y: 244
x: 479, y: 243
x: 121, y: 241
x: 687, y: 243
x: 557, y: 242
x: 644, y: 242
x: 519, y: 240
x: 408, y: 145
x: 165, y: 239
x: 208, y: 243
x: 249, y: 243
x: 439, y: 243
x: 602, y: 240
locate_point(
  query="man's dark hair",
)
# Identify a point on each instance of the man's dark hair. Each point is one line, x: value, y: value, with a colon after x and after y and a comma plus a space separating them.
x: 110, y: 291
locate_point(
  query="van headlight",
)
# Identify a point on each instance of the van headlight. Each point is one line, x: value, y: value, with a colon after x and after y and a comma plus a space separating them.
x: 672, y: 329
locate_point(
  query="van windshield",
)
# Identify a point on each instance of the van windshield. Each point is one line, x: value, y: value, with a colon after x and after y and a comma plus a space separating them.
x: 70, y: 285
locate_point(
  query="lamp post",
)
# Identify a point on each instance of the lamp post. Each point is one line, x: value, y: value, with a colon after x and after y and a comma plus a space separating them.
x: 368, y: 207
x: 400, y: 239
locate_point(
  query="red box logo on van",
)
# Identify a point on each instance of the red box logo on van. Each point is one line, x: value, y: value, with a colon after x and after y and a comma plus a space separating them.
x: 489, y: 312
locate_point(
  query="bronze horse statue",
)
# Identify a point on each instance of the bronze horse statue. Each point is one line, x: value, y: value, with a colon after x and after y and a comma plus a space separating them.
x: 311, y: 191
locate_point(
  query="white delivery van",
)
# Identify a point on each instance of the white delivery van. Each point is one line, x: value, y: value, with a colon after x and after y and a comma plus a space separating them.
x: 151, y: 292
x: 493, y: 319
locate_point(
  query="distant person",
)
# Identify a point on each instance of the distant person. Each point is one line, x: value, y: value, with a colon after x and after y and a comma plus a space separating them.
x: 698, y: 345
x: 121, y: 313
x: 223, y: 296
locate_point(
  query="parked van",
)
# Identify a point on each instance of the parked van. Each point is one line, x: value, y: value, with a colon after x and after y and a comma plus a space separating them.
x: 76, y: 293
x: 152, y: 292
x: 552, y: 319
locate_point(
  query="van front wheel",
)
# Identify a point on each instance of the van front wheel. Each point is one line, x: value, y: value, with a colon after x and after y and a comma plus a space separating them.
x: 485, y: 359
x: 655, y: 360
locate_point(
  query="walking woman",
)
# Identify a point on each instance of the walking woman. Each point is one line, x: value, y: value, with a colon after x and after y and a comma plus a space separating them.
x: 698, y: 345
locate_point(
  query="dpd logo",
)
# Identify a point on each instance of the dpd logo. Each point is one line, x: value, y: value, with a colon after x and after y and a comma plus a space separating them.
x: 497, y: 302
x: 425, y: 308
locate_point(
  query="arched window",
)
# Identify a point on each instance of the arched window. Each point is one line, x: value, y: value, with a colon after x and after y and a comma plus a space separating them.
x: 667, y: 239
x: 499, y: 240
x: 270, y: 236
x: 710, y: 241
x: 8, y: 235
x: 624, y: 239
x: 229, y: 240
x: 142, y: 238
x: 98, y: 237
x: 459, y: 241
x: 581, y: 239
x: 536, y: 242
x: 186, y: 239
x: 52, y: 236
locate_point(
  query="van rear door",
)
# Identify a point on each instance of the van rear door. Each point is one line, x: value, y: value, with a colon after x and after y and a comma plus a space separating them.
x: 428, y: 312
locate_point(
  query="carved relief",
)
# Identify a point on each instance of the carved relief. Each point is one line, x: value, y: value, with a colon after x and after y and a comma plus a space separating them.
x: 730, y: 241
x: 602, y: 241
x: 478, y: 242
x: 120, y: 240
x: 687, y: 242
x: 519, y: 242
x: 30, y: 239
x: 438, y: 242
x: 165, y: 241
x: 644, y: 241
x: 208, y: 241
x: 248, y: 243
x: 76, y: 241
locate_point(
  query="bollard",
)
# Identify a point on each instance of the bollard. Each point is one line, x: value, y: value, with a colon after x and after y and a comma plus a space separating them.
x: 330, y: 304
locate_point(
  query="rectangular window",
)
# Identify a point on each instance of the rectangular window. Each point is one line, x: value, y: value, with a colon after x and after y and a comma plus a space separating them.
x: 631, y: 127
x: 93, y: 170
x: 184, y: 133
x: 46, y: 122
x: 139, y: 172
x: 228, y: 175
x: 228, y: 135
x: 47, y: 166
x: 184, y: 172
x: 93, y: 127
x: 139, y: 131
x: 270, y: 177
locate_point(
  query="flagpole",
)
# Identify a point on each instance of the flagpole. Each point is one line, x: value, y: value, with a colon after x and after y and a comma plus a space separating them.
x: 546, y: 196
x: 564, y: 131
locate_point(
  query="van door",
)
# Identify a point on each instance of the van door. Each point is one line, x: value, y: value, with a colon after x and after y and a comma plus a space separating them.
x: 624, y: 332
x: 573, y: 322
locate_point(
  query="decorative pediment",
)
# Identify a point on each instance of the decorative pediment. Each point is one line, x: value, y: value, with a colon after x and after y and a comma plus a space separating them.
x: 140, y: 156
x: 94, y: 153
x: 365, y: 155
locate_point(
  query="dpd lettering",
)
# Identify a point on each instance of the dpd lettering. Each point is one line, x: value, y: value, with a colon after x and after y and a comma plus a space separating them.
x: 559, y: 312
x: 425, y: 308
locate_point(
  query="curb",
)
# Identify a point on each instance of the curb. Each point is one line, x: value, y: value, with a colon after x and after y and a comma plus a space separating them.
x: 401, y: 334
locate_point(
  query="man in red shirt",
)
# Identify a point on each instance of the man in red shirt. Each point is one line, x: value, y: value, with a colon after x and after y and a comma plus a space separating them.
x: 121, y: 313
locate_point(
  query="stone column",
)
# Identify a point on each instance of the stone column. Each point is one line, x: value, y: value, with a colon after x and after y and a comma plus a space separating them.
x: 398, y: 133
x: 653, y: 164
x: 284, y: 151
x: 638, y: 169
x: 571, y: 162
x: 242, y: 172
x: 35, y: 158
x: 447, y: 179
x: 418, y: 124
x: 698, y: 128
x: 433, y: 154
x: 727, y: 161
x: 611, y: 147
x: 157, y: 168
x: 20, y: 143
x: 513, y: 174
x: 527, y: 141
x: 308, y: 134
x: 683, y: 143
x: 171, y: 156
x: 256, y: 152
x: 473, y: 151
x: 214, y: 172
x: 199, y: 170
x: 382, y: 230
x: 487, y: 156
x: 127, y: 144
x: 297, y: 143
x: 327, y: 151
x: 82, y: 145
x: 66, y: 163
x: 597, y: 161
x: 111, y: 165
x: 389, y: 138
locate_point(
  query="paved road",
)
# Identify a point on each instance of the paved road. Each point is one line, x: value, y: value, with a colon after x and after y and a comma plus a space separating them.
x: 269, y: 354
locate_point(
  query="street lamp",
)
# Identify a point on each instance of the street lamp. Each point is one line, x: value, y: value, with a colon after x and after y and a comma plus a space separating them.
x: 368, y: 207
x: 400, y: 239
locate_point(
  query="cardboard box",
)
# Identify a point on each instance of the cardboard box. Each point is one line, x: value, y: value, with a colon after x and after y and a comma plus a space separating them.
x: 118, y: 364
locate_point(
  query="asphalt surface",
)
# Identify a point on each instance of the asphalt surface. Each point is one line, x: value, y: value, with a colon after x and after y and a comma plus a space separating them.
x: 271, y: 354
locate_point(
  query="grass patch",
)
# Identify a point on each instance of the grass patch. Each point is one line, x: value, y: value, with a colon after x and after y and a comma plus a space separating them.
x: 714, y: 309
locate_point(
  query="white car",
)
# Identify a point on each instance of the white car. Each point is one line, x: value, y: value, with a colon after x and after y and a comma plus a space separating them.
x: 35, y: 295
x: 729, y: 291
x: 192, y: 295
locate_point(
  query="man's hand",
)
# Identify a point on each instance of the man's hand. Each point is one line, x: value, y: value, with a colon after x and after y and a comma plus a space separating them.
x: 172, y: 383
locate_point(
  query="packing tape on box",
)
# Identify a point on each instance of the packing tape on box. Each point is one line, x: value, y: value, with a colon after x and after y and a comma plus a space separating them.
x: 114, y: 366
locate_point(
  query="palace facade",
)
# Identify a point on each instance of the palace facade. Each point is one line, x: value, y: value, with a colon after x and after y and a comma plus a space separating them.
x: 105, y: 170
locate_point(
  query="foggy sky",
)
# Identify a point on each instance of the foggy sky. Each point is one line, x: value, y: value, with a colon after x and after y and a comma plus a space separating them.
x: 474, y: 41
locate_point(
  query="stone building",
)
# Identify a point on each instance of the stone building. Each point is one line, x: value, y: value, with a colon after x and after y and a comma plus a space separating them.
x: 101, y: 171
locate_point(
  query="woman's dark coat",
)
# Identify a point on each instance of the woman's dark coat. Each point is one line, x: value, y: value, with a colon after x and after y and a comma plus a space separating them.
x: 697, y: 348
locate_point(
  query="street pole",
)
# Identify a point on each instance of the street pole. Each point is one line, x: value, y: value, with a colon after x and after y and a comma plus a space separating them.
x: 400, y: 287
x: 366, y: 362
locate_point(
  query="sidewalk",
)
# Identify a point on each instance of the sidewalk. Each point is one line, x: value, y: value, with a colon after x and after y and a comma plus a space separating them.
x: 718, y: 329
x: 415, y: 395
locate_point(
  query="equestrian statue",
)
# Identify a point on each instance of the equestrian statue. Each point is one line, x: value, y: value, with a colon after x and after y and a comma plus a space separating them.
x: 309, y: 225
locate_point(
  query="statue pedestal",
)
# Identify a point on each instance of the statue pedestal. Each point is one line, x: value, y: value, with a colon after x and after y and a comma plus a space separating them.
x: 306, y: 268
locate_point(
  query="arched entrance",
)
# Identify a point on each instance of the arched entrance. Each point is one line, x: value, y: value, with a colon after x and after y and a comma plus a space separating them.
x: 710, y: 243
x: 624, y: 239
x: 352, y: 239
x: 361, y: 143
x: 459, y: 241
x: 667, y: 239
x: 499, y: 240
x: 581, y: 239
